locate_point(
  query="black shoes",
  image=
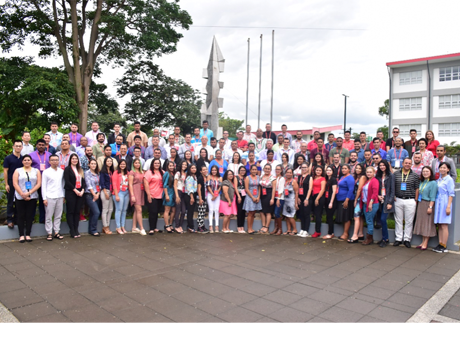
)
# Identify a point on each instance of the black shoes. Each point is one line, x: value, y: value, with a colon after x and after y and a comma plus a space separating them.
x: 397, y: 243
x: 383, y: 243
x: 407, y: 244
x: 440, y: 249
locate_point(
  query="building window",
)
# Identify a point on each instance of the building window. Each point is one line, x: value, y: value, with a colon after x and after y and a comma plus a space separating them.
x: 404, y: 130
x: 410, y: 78
x: 449, y: 129
x: 410, y: 104
x: 449, y: 101
x: 449, y: 73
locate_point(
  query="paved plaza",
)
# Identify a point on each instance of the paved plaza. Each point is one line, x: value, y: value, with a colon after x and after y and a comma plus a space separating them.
x: 222, y: 278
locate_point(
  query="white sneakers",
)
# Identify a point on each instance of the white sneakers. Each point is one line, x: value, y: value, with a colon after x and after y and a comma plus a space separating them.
x: 143, y: 233
x: 303, y: 234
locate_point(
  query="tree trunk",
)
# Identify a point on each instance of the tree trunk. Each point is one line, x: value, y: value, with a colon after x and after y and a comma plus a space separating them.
x: 83, y: 102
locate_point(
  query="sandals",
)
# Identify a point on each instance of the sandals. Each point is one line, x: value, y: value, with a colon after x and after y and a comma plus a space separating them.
x: 287, y: 233
x: 49, y: 237
x: 191, y: 230
x: 353, y: 240
x: 28, y: 239
x: 22, y: 240
x: 151, y: 232
x: 168, y: 228
x: 329, y: 236
x: 294, y: 233
x: 58, y: 236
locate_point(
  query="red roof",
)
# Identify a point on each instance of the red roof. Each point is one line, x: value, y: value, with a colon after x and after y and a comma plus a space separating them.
x: 451, y: 55
x: 312, y: 131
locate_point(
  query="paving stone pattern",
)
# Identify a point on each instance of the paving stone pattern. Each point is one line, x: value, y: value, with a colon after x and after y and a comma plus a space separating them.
x: 452, y: 308
x: 218, y: 278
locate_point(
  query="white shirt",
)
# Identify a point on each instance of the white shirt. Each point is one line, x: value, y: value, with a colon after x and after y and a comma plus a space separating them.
x: 168, y: 150
x: 91, y: 136
x: 273, y: 163
x: 234, y: 168
x: 295, y: 145
x: 246, y: 154
x: 290, y: 153
x: 55, y: 139
x: 162, y: 142
x: 26, y: 149
x: 228, y: 144
x: 229, y: 154
x: 52, y: 183
x: 147, y: 164
x: 208, y: 148
x: 249, y: 137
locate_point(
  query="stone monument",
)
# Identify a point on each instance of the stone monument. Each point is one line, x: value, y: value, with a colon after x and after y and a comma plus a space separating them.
x: 210, y: 107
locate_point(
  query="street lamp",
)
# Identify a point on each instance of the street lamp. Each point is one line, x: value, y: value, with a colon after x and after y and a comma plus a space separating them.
x: 345, y: 114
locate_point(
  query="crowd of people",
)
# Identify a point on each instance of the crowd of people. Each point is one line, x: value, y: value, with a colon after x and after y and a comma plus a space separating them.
x: 350, y: 180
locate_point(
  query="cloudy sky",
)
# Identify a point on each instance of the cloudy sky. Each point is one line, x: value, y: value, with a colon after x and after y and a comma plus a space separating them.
x: 313, y: 68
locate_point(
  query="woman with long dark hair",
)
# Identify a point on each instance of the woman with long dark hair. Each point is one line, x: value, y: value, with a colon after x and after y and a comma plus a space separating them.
x: 305, y: 182
x: 188, y: 158
x: 236, y: 163
x: 370, y: 202
x: 267, y: 182
x: 168, y: 197
x: 386, y: 197
x: 298, y: 164
x: 191, y: 187
x: 285, y: 163
x: 74, y: 179
x: 252, y: 201
x: 317, y: 199
x: 153, y: 184
x: 203, y: 159
x: 92, y: 196
x: 345, y: 200
x: 291, y: 196
x: 121, y: 195
x: 241, y: 213
x: 317, y: 161
x: 179, y: 190
x: 330, y: 200
x: 105, y: 175
x: 137, y: 192
x: 228, y: 199
x: 214, y: 185
x: 424, y: 223
x: 174, y: 159
x: 358, y: 214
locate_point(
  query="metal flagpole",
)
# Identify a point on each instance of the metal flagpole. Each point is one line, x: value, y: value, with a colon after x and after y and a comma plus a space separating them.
x: 260, y: 81
x: 273, y: 69
x: 247, y: 86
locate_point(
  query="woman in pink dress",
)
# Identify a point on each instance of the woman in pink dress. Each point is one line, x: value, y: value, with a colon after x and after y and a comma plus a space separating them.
x: 228, y: 199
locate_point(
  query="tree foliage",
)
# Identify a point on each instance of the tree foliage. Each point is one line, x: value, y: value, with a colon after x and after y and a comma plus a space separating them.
x: 158, y: 100
x: 230, y: 125
x: 384, y: 129
x: 85, y: 32
x: 32, y: 96
x: 105, y: 120
x: 384, y: 111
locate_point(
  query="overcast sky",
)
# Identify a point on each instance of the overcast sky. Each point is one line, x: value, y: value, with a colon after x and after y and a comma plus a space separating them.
x: 313, y: 68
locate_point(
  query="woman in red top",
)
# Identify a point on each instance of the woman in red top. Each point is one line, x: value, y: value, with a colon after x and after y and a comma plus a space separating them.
x: 153, y: 184
x: 136, y: 190
x: 370, y: 202
x: 317, y: 199
x: 432, y: 143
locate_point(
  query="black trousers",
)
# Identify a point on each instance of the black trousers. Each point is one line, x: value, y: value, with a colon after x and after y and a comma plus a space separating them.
x: 241, y: 214
x: 154, y: 210
x: 26, y: 214
x: 318, y: 211
x: 304, y: 214
x: 11, y: 209
x: 41, y: 207
x: 190, y: 210
x: 74, y: 204
x: 330, y: 215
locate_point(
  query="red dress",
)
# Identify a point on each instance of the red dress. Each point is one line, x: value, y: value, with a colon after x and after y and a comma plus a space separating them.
x: 432, y: 147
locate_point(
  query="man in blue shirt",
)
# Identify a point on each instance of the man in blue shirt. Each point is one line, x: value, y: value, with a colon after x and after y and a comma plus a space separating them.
x: 196, y: 139
x: 330, y: 144
x: 396, y: 155
x: 376, y: 141
x: 359, y: 151
x: 206, y: 131
x: 117, y: 145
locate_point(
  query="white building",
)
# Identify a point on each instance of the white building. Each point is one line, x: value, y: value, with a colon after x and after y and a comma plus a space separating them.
x: 425, y: 95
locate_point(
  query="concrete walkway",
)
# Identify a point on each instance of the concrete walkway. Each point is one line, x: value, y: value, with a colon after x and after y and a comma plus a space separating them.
x: 223, y: 278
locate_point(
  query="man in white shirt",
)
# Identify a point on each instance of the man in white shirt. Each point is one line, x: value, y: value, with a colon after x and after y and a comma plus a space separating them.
x: 221, y: 147
x: 270, y: 160
x: 248, y: 135
x: 263, y: 153
x: 286, y: 149
x: 107, y: 154
x: 56, y: 136
x: 295, y: 144
x: 26, y: 146
x: 137, y: 155
x: 53, y: 197
x: 161, y: 143
x: 204, y: 144
x: 285, y: 133
x: 156, y: 155
x: 259, y: 141
x: 171, y: 144
x: 228, y: 156
x: 228, y: 142
x: 251, y: 148
x: 187, y: 146
x: 91, y: 135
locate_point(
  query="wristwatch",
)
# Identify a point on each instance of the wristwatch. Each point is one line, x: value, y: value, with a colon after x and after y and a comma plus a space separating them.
x: 430, y: 207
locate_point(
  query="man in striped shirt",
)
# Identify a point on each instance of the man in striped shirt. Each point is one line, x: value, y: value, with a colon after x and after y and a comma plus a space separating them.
x: 406, y: 193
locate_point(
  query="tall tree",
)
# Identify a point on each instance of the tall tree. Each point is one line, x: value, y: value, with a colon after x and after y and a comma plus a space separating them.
x: 385, y: 109
x: 230, y: 125
x: 84, y: 32
x: 33, y: 96
x: 158, y: 100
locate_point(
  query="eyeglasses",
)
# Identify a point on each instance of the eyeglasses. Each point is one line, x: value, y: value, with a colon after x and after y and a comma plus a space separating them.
x: 395, y: 132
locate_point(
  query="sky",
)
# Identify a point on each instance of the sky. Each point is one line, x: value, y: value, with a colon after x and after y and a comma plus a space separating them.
x: 312, y: 67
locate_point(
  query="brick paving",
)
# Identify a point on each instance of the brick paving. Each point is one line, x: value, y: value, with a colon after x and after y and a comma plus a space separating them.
x: 218, y: 278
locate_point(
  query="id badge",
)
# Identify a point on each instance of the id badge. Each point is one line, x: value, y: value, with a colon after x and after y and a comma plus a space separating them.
x: 413, y: 149
x: 216, y: 193
x: 419, y: 197
x: 74, y: 144
x: 403, y: 186
x: 142, y: 186
x: 124, y: 188
x: 62, y: 166
x: 243, y: 192
x: 54, y: 144
x: 254, y: 192
x: 42, y: 167
x: 221, y: 170
x: 301, y: 191
x: 264, y: 191
x: 78, y: 184
x: 28, y: 185
x: 384, y: 192
x: 276, y: 194
x: 286, y: 192
x: 436, y: 176
x: 98, y: 189
x: 397, y: 163
x: 327, y: 194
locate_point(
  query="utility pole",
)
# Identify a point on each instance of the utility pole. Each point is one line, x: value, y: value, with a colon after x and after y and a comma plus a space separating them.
x: 260, y: 81
x: 345, y: 114
x: 247, y: 85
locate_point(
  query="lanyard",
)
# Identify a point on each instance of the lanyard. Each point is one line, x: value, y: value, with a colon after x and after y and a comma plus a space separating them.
x: 44, y: 158
x: 27, y: 174
x: 400, y: 154
x: 423, y: 188
x: 301, y: 180
x: 402, y: 175
x: 72, y: 135
x: 65, y: 159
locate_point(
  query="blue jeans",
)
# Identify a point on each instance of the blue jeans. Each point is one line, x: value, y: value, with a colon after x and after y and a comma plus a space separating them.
x: 121, y: 207
x: 94, y: 213
x: 279, y: 210
x: 384, y: 226
x: 370, y: 217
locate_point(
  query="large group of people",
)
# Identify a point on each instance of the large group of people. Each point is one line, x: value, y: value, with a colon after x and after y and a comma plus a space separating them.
x: 275, y: 175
